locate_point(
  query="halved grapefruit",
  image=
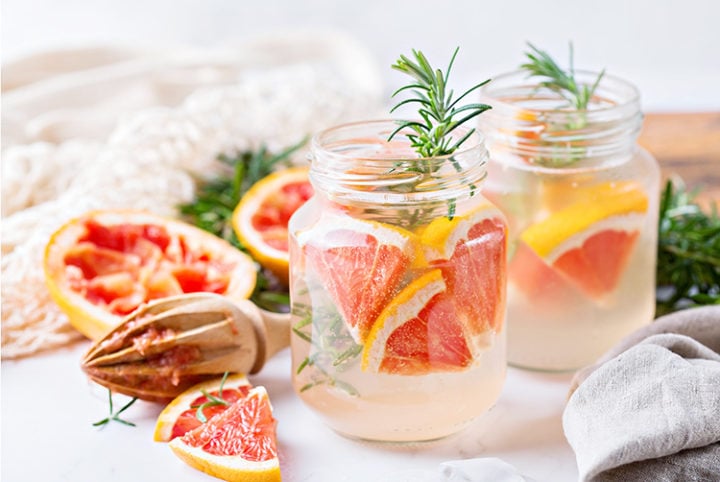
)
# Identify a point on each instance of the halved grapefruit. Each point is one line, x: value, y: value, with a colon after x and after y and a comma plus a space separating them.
x: 471, y: 252
x: 418, y: 332
x: 360, y: 264
x: 105, y: 264
x: 260, y: 219
x: 587, y: 243
x: 180, y: 416
x: 238, y: 444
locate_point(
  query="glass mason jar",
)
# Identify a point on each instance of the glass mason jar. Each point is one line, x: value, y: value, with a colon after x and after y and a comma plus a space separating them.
x: 397, y: 283
x: 581, y: 199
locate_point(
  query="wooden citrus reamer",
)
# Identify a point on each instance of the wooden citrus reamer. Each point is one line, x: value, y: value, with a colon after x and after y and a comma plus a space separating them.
x: 168, y: 345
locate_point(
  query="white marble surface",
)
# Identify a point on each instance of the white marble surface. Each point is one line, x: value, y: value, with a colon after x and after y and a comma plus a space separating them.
x: 48, y: 408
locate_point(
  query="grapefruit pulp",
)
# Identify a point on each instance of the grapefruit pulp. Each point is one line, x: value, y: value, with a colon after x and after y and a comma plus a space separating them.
x: 360, y: 264
x: 105, y: 264
x: 180, y: 415
x: 238, y: 444
x: 587, y: 244
x: 471, y: 252
x: 260, y: 219
x: 418, y: 332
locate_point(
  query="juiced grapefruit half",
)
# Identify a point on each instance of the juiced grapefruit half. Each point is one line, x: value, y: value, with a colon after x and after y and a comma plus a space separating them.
x: 260, y: 220
x: 103, y: 265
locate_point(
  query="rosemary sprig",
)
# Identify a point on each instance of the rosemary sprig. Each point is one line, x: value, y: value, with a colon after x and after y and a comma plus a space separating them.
x: 213, y: 401
x: 115, y: 416
x: 563, y: 82
x: 332, y: 346
x: 216, y: 200
x: 437, y: 108
x: 688, y: 269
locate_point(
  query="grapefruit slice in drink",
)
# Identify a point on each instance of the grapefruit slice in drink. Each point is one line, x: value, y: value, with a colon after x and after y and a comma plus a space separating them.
x: 360, y: 264
x: 588, y: 243
x: 471, y: 252
x: 238, y: 444
x: 418, y: 332
x: 260, y: 219
x: 181, y: 415
x: 103, y: 265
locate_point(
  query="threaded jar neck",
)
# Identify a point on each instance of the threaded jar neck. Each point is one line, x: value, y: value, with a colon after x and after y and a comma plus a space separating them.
x: 356, y: 163
x: 540, y: 127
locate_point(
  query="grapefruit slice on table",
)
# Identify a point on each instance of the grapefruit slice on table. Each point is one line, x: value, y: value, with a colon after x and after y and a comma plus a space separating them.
x: 587, y: 244
x: 260, y: 219
x: 471, y: 252
x: 103, y: 265
x: 360, y: 264
x: 180, y: 415
x: 418, y: 332
x: 238, y: 444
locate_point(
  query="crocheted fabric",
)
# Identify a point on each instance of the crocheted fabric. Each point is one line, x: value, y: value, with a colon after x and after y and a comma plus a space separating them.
x: 140, y: 132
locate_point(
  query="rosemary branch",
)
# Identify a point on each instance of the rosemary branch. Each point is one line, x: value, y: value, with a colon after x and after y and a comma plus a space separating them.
x: 563, y: 82
x: 436, y: 107
x: 688, y: 268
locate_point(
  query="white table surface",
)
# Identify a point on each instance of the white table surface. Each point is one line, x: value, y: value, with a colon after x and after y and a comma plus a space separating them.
x: 48, y: 407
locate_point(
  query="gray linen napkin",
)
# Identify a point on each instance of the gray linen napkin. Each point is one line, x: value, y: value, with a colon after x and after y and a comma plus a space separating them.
x: 649, y: 410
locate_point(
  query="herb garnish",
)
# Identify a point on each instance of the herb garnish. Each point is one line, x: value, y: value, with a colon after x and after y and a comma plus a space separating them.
x: 431, y: 138
x: 216, y: 200
x: 563, y: 82
x: 213, y: 401
x: 325, y: 330
x: 116, y: 415
x: 437, y: 107
x: 688, y: 268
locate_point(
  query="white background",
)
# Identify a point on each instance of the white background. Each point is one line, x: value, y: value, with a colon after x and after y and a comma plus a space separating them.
x: 670, y: 49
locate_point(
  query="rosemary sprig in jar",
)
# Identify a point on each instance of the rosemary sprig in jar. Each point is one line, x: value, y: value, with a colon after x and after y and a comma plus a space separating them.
x: 576, y: 94
x: 440, y: 114
x: 563, y: 82
x: 331, y: 344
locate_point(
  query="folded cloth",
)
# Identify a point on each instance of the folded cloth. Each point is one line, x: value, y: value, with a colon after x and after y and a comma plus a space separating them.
x: 649, y: 410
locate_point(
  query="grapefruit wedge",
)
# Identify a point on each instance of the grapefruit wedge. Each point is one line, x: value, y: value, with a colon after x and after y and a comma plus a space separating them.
x: 418, y: 332
x: 360, y: 264
x: 260, y: 220
x: 103, y: 265
x: 471, y: 252
x: 587, y: 244
x: 181, y: 415
x: 238, y: 444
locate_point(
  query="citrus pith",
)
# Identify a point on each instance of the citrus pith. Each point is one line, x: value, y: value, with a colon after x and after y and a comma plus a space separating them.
x: 260, y: 219
x: 103, y: 265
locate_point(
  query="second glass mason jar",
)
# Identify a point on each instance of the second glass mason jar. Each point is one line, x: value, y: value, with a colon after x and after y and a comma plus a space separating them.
x: 581, y: 199
x: 397, y: 282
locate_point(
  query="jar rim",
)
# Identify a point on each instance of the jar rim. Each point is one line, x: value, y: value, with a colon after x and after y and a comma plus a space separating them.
x: 609, y: 82
x: 475, y: 141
